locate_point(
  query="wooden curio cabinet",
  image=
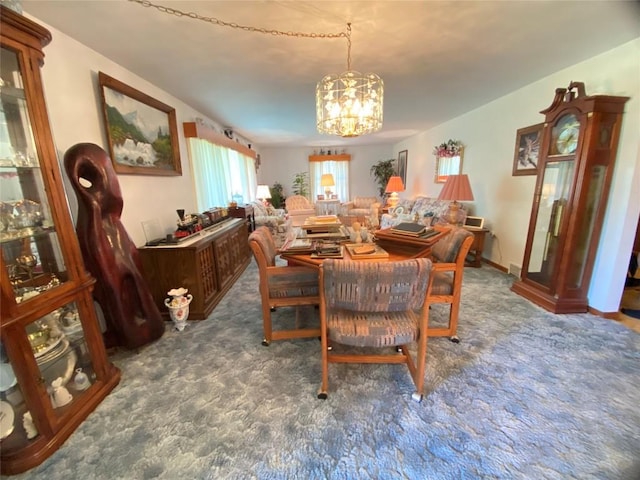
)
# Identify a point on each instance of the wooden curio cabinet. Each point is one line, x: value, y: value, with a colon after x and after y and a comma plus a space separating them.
x: 577, y: 156
x: 54, y: 369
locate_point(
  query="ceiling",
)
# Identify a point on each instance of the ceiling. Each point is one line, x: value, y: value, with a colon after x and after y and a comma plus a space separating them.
x: 438, y: 59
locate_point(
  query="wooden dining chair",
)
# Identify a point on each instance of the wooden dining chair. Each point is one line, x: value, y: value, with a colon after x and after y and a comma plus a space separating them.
x: 375, y: 305
x: 282, y: 286
x: 449, y: 254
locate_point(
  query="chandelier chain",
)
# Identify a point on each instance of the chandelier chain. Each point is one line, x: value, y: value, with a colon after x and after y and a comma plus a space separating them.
x: 247, y: 28
x: 348, y: 47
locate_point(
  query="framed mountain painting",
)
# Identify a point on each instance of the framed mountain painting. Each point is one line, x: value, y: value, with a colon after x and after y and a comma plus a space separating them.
x: 142, y: 131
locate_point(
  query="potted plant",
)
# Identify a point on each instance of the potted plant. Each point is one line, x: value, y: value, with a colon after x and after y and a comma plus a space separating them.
x: 277, y: 195
x: 301, y: 184
x: 382, y: 171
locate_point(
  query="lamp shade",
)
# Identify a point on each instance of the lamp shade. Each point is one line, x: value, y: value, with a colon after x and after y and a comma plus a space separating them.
x: 394, y: 185
x: 456, y: 188
x: 263, y: 192
x: 327, y: 180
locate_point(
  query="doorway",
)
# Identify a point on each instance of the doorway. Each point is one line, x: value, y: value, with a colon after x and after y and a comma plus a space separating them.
x: 629, y: 313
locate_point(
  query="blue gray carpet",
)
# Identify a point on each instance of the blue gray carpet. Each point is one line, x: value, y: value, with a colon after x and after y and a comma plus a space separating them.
x: 525, y: 395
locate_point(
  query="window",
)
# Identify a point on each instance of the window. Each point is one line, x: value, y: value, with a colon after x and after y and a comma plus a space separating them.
x: 219, y: 173
x: 340, y: 172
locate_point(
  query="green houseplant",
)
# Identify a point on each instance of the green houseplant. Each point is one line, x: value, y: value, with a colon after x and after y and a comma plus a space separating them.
x: 277, y: 195
x: 382, y: 171
x: 301, y: 184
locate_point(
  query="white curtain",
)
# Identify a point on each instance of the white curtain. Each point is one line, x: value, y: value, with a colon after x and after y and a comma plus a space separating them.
x: 219, y: 173
x: 340, y: 172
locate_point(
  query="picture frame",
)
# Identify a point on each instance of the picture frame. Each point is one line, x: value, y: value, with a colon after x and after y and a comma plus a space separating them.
x: 402, y: 166
x: 527, y: 151
x: 142, y: 132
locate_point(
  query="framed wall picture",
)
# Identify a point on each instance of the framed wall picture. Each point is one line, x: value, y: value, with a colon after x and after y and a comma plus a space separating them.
x: 525, y: 159
x: 402, y: 166
x: 141, y: 131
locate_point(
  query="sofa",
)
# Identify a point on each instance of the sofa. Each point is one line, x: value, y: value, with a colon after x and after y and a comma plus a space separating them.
x: 275, y: 219
x: 426, y: 210
x: 361, y: 207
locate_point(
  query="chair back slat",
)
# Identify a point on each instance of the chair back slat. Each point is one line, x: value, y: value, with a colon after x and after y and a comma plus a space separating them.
x: 376, y: 286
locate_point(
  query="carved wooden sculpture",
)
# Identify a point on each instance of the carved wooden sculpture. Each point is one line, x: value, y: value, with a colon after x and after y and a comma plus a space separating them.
x: 109, y: 253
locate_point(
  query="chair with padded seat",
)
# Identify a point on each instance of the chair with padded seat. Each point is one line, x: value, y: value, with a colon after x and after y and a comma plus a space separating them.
x: 368, y: 306
x: 282, y: 286
x: 448, y: 255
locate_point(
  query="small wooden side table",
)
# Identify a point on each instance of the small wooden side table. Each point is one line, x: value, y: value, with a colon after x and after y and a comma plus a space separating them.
x: 244, y: 211
x: 475, y: 252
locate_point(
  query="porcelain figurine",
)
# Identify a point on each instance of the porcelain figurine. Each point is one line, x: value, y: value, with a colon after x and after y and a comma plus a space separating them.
x: 81, y: 380
x: 29, y: 427
x: 60, y: 395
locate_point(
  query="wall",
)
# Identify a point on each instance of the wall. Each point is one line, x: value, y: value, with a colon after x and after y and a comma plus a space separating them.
x: 505, y: 201
x: 281, y: 165
x: 75, y: 113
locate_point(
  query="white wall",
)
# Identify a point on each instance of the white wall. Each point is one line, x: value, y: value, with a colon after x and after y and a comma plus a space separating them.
x: 73, y: 101
x: 281, y: 165
x: 505, y: 201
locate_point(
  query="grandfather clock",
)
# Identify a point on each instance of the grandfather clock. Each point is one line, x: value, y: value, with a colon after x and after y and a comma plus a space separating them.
x: 578, y: 152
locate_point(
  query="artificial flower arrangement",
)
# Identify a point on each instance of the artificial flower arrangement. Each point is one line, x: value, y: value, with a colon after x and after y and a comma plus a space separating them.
x: 452, y: 148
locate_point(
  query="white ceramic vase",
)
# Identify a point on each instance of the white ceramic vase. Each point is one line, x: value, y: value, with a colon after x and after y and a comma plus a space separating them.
x: 178, y: 306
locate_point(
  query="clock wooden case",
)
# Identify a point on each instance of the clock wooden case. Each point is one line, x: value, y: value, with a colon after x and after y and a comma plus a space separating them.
x: 54, y: 369
x: 578, y: 152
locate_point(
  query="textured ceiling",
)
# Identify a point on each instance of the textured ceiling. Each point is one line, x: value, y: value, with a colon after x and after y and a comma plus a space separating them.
x: 438, y: 59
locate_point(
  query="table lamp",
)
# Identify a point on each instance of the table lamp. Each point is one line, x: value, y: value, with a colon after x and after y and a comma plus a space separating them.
x: 327, y: 181
x: 456, y: 188
x: 394, y: 185
x: 263, y: 193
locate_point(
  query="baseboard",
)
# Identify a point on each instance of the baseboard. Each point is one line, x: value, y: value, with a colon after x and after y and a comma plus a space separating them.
x: 495, y: 265
x: 598, y: 313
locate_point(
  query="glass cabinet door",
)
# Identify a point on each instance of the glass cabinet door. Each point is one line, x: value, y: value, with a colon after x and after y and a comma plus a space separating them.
x: 31, y: 250
x: 65, y: 369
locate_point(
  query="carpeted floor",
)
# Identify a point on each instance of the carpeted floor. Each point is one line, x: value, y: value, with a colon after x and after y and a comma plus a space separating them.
x: 525, y: 395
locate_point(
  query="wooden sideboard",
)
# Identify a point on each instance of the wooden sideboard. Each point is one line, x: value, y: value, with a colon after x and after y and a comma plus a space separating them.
x: 207, y: 266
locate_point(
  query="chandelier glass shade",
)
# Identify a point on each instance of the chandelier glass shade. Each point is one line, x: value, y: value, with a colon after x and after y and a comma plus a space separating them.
x: 349, y: 104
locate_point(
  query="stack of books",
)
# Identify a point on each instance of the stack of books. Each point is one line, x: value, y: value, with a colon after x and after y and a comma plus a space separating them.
x: 327, y: 250
x: 415, y: 230
x: 298, y: 246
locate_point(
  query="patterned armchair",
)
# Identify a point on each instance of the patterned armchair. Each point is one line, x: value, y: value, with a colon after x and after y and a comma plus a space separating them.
x: 375, y: 305
x: 362, y: 207
x: 275, y: 219
x: 299, y: 208
x: 429, y: 211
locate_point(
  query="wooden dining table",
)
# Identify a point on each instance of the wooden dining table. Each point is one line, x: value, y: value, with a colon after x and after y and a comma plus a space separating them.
x: 399, y: 247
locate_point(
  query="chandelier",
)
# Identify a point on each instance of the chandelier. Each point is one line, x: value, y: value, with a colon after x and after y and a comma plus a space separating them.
x: 349, y: 104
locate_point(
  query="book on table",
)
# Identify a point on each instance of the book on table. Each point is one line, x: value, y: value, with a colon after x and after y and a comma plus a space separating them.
x: 413, y: 230
x: 362, y: 251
